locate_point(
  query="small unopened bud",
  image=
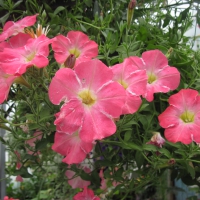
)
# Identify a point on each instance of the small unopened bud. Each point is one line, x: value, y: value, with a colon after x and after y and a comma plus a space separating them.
x: 130, y: 11
x: 169, y: 52
x: 132, y: 4
x: 44, y: 14
x: 70, y: 61
x: 171, y: 161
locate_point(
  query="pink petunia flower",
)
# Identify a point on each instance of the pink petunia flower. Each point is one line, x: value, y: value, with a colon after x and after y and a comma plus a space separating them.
x: 91, y: 98
x: 7, y: 198
x: 31, y: 143
x: 12, y: 28
x: 181, y: 119
x: 34, y: 53
x: 161, y: 77
x: 6, y: 80
x: 86, y: 194
x: 157, y: 140
x: 77, y: 182
x: 70, y: 145
x: 76, y: 46
x: 19, y: 179
x: 134, y: 82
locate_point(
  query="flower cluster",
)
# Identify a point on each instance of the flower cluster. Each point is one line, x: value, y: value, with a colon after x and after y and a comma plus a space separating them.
x: 94, y: 95
x: 19, y: 51
x: 91, y: 95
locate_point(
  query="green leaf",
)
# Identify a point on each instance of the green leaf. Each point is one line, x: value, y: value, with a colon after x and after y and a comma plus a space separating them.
x: 134, y: 146
x: 85, y: 176
x: 184, y: 14
x: 4, y: 18
x: 59, y: 9
x: 1, y: 3
x: 143, y: 107
x: 149, y: 147
x: 3, y: 126
x: 41, y: 144
x: 177, y: 145
x: 165, y: 152
x: 33, y: 126
x: 29, y: 157
x: 120, y: 144
x: 88, y: 2
x: 127, y: 136
x: 118, y: 174
x: 2, y: 140
x: 103, y: 163
x: 95, y: 178
x: 191, y: 169
x: 23, y: 172
x: 139, y: 158
x: 48, y: 8
x: 83, y: 28
x: 17, y: 3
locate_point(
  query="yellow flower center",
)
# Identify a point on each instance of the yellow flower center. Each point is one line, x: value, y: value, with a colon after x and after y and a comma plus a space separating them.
x: 151, y: 78
x: 123, y: 83
x: 187, y: 116
x: 87, y: 97
x: 75, y: 52
x: 30, y: 56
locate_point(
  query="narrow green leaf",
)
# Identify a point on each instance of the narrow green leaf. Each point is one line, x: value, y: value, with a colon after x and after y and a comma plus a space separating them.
x: 149, y: 147
x: 59, y: 9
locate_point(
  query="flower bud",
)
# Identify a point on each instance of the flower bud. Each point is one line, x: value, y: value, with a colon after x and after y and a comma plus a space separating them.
x: 172, y: 161
x: 44, y: 14
x: 169, y: 52
x: 130, y: 11
x: 70, y: 61
x: 157, y: 140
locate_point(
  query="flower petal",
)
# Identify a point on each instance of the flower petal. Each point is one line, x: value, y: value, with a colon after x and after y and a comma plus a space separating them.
x: 93, y: 74
x: 71, y: 146
x: 96, y: 126
x: 111, y: 99
x: 63, y: 86
x: 154, y: 60
x: 70, y: 117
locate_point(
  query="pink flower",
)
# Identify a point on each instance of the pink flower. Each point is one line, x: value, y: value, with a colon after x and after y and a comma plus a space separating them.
x: 70, y: 145
x: 134, y: 82
x: 12, y: 28
x: 104, y: 181
x: 157, y: 140
x: 77, y: 182
x: 14, y: 42
x: 76, y: 46
x: 91, y: 98
x: 86, y: 194
x: 31, y: 143
x: 181, y: 119
x: 34, y: 53
x: 6, y: 81
x: 161, y: 77
x: 7, y: 198
x: 19, y: 179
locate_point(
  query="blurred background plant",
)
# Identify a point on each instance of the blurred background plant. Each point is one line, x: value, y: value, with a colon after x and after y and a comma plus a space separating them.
x: 142, y: 171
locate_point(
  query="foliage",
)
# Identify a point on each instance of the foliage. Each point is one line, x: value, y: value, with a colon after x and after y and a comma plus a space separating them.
x: 125, y: 157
